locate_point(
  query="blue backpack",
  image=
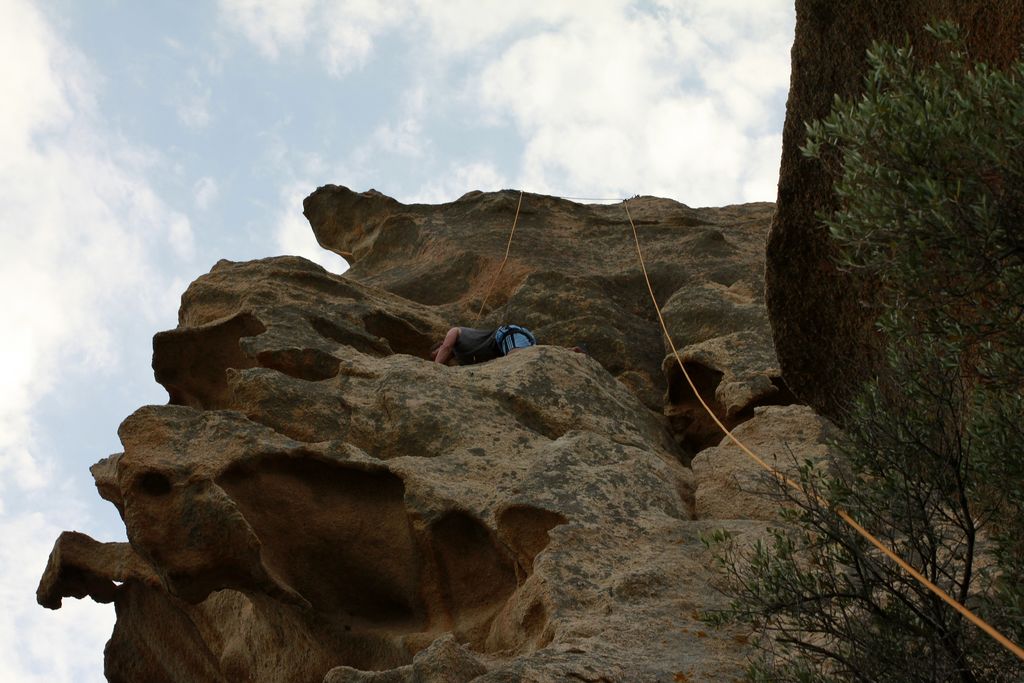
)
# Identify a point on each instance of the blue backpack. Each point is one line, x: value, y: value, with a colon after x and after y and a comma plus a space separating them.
x: 509, y: 337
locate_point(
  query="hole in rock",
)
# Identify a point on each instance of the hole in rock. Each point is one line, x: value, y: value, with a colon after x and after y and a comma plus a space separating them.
x: 311, y: 365
x: 785, y: 396
x: 154, y: 484
x: 400, y: 335
x: 344, y: 332
x: 342, y: 538
x: 704, y: 378
x: 338, y: 535
x: 528, y: 409
x: 782, y: 396
x: 476, y: 575
x: 692, y: 426
x: 525, y: 529
x: 534, y: 625
x: 190, y: 363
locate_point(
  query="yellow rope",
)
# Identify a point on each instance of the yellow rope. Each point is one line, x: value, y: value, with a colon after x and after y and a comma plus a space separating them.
x: 502, y: 266
x: 843, y: 515
x: 971, y: 616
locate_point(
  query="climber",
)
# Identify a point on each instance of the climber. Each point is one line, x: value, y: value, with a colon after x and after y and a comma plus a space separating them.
x: 475, y: 345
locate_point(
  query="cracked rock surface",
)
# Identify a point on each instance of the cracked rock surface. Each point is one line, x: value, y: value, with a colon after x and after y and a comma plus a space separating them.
x: 320, y: 502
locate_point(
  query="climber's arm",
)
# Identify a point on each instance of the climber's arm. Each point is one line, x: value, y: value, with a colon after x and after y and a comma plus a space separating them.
x: 447, y: 348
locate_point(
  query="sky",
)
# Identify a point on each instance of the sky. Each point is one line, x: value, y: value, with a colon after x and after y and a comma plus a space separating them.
x: 141, y: 142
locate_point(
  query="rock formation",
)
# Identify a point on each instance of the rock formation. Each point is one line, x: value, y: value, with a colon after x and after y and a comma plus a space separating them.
x: 822, y: 320
x: 573, y: 276
x: 320, y: 502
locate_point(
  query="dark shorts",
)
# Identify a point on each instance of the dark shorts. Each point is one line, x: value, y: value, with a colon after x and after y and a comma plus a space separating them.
x: 475, y: 345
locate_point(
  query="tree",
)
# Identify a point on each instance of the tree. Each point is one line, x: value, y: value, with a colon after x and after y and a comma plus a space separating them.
x: 928, y: 171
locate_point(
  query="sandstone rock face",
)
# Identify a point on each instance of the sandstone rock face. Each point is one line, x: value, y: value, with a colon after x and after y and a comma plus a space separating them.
x: 729, y: 485
x: 822, y: 319
x: 320, y: 502
x: 573, y: 276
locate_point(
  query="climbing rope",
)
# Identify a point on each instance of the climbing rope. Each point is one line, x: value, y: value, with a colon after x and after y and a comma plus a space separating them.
x: 842, y: 514
x: 948, y: 599
x: 508, y: 248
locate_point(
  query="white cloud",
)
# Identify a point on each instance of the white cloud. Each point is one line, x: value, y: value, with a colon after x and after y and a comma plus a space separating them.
x: 457, y: 180
x: 723, y: 22
x: 180, y: 238
x: 343, y: 30
x: 205, y: 192
x: 39, y: 104
x: 194, y: 110
x: 457, y: 27
x: 350, y: 28
x: 192, y: 104
x: 762, y: 178
x: 83, y: 243
x: 682, y: 97
x: 403, y: 138
x: 39, y: 645
x: 272, y: 25
x: 601, y: 110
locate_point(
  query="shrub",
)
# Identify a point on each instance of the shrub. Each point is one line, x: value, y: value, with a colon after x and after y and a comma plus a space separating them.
x: 928, y: 170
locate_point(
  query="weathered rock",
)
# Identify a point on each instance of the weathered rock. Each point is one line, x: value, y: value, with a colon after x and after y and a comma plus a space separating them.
x: 731, y: 375
x: 281, y: 314
x: 720, y: 332
x: 732, y: 486
x: 822, y: 318
x: 80, y: 566
x: 445, y: 661
x: 572, y: 275
x: 320, y: 502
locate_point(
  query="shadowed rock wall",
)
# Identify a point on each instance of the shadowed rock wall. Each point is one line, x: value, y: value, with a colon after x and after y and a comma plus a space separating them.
x: 822, y: 319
